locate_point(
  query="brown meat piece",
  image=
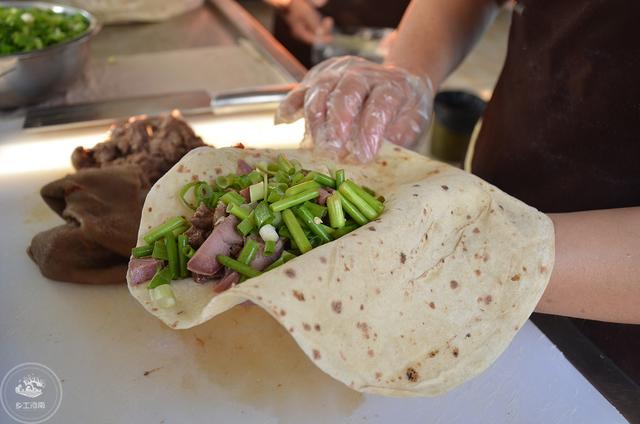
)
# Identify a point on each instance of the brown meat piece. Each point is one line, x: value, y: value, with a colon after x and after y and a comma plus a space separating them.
x: 201, y: 226
x: 102, y: 208
x: 154, y: 144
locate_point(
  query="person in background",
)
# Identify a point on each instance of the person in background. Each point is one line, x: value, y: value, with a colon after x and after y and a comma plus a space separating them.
x: 560, y: 133
x: 299, y: 23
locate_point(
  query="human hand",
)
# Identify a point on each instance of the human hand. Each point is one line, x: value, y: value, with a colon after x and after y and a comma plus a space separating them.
x: 351, y: 105
x: 306, y: 23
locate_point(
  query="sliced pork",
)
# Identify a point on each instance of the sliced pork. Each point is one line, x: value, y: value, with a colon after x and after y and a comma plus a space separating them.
x: 143, y: 269
x: 224, y: 240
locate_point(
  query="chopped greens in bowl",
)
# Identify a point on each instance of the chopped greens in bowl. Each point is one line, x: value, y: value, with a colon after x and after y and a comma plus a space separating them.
x: 29, y: 29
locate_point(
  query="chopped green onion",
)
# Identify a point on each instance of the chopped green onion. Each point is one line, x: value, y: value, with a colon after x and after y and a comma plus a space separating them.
x: 232, y: 197
x: 284, y: 258
x: 285, y: 164
x: 224, y: 182
x: 296, y: 231
x: 248, y: 252
x: 163, y: 296
x: 256, y: 192
x: 268, y: 233
x: 294, y: 200
x: 160, y: 250
x: 183, y: 192
x: 299, y: 188
x: 161, y: 277
x: 339, y: 177
x: 277, y: 219
x: 265, y: 181
x: 273, y: 167
x: 331, y: 167
x: 377, y: 205
x: 269, y: 247
x: 297, y: 177
x: 283, y: 232
x: 202, y: 193
x: 307, y: 217
x: 275, y: 194
x: 243, y: 181
x: 344, y: 230
x: 161, y: 230
x: 336, y: 214
x: 247, y: 225
x: 180, y: 230
x: 282, y: 177
x: 296, y: 165
x: 324, y: 180
x: 239, y: 211
x: 237, y: 266
x: 172, y: 253
x: 352, y: 211
x: 254, y: 177
x: 262, y: 166
x: 183, y: 246
x: 263, y: 215
x: 350, y: 194
x: 316, y: 209
x: 142, y: 251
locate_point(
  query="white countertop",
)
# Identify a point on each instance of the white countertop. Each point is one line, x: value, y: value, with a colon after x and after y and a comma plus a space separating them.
x: 239, y: 367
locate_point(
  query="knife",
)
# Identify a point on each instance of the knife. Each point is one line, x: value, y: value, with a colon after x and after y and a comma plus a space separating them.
x: 188, y: 103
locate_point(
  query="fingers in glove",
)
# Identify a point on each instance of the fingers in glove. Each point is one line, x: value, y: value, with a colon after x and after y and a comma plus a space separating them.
x: 315, y: 105
x: 379, y: 110
x: 345, y: 104
x: 291, y: 107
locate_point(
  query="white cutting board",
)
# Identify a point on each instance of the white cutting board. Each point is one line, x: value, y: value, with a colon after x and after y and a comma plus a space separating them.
x: 239, y: 367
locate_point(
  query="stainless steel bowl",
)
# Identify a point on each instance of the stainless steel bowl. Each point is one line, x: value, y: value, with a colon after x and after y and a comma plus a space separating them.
x: 26, y: 78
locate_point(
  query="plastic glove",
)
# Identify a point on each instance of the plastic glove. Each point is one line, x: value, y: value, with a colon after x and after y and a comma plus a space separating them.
x: 351, y: 105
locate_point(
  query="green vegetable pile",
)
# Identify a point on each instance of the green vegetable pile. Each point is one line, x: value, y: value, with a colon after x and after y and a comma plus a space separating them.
x: 29, y: 29
x: 282, y: 205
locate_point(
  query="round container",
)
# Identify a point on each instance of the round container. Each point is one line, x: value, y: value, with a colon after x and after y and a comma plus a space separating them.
x: 26, y: 78
x: 456, y: 114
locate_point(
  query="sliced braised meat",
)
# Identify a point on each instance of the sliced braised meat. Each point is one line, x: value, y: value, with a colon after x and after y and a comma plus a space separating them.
x: 201, y: 226
x: 245, y: 193
x: 219, y: 213
x: 143, y: 269
x: 223, y: 241
x: 243, y: 167
x: 230, y: 279
x: 154, y: 144
x: 324, y: 194
x: 260, y: 262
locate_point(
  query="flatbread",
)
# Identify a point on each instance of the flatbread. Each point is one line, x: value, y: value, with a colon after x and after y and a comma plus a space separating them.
x: 413, y: 304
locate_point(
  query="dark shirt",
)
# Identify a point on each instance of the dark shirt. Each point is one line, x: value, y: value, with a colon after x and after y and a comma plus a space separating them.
x: 562, y: 130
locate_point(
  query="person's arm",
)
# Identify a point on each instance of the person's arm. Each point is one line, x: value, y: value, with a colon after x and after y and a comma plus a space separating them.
x: 435, y: 35
x: 597, y: 269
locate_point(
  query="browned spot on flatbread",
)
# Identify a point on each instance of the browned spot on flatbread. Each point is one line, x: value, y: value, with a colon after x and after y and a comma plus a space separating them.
x: 371, y: 228
x: 323, y: 259
x: 378, y: 375
x: 361, y: 307
x: 175, y: 324
x: 316, y: 354
x: 384, y: 163
x: 455, y: 351
x: 154, y: 309
x: 199, y: 341
x: 336, y: 305
x: 397, y: 149
x: 515, y: 277
x: 403, y: 257
x: 445, y: 187
x: 316, y: 327
x: 180, y: 168
x: 543, y: 269
x: 468, y: 216
x: 433, y: 353
x: 289, y: 272
x: 146, y: 373
x: 194, y: 178
x: 218, y: 171
x: 298, y: 295
x: 364, y: 327
x: 477, y: 272
x: 371, y: 353
x: 412, y: 375
x: 150, y: 209
x: 306, y: 326
x: 432, y: 305
x: 453, y: 284
x: 476, y: 230
x: 283, y: 312
x: 468, y: 335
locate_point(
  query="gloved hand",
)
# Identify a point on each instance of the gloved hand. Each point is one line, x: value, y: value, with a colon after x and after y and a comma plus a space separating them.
x: 351, y: 105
